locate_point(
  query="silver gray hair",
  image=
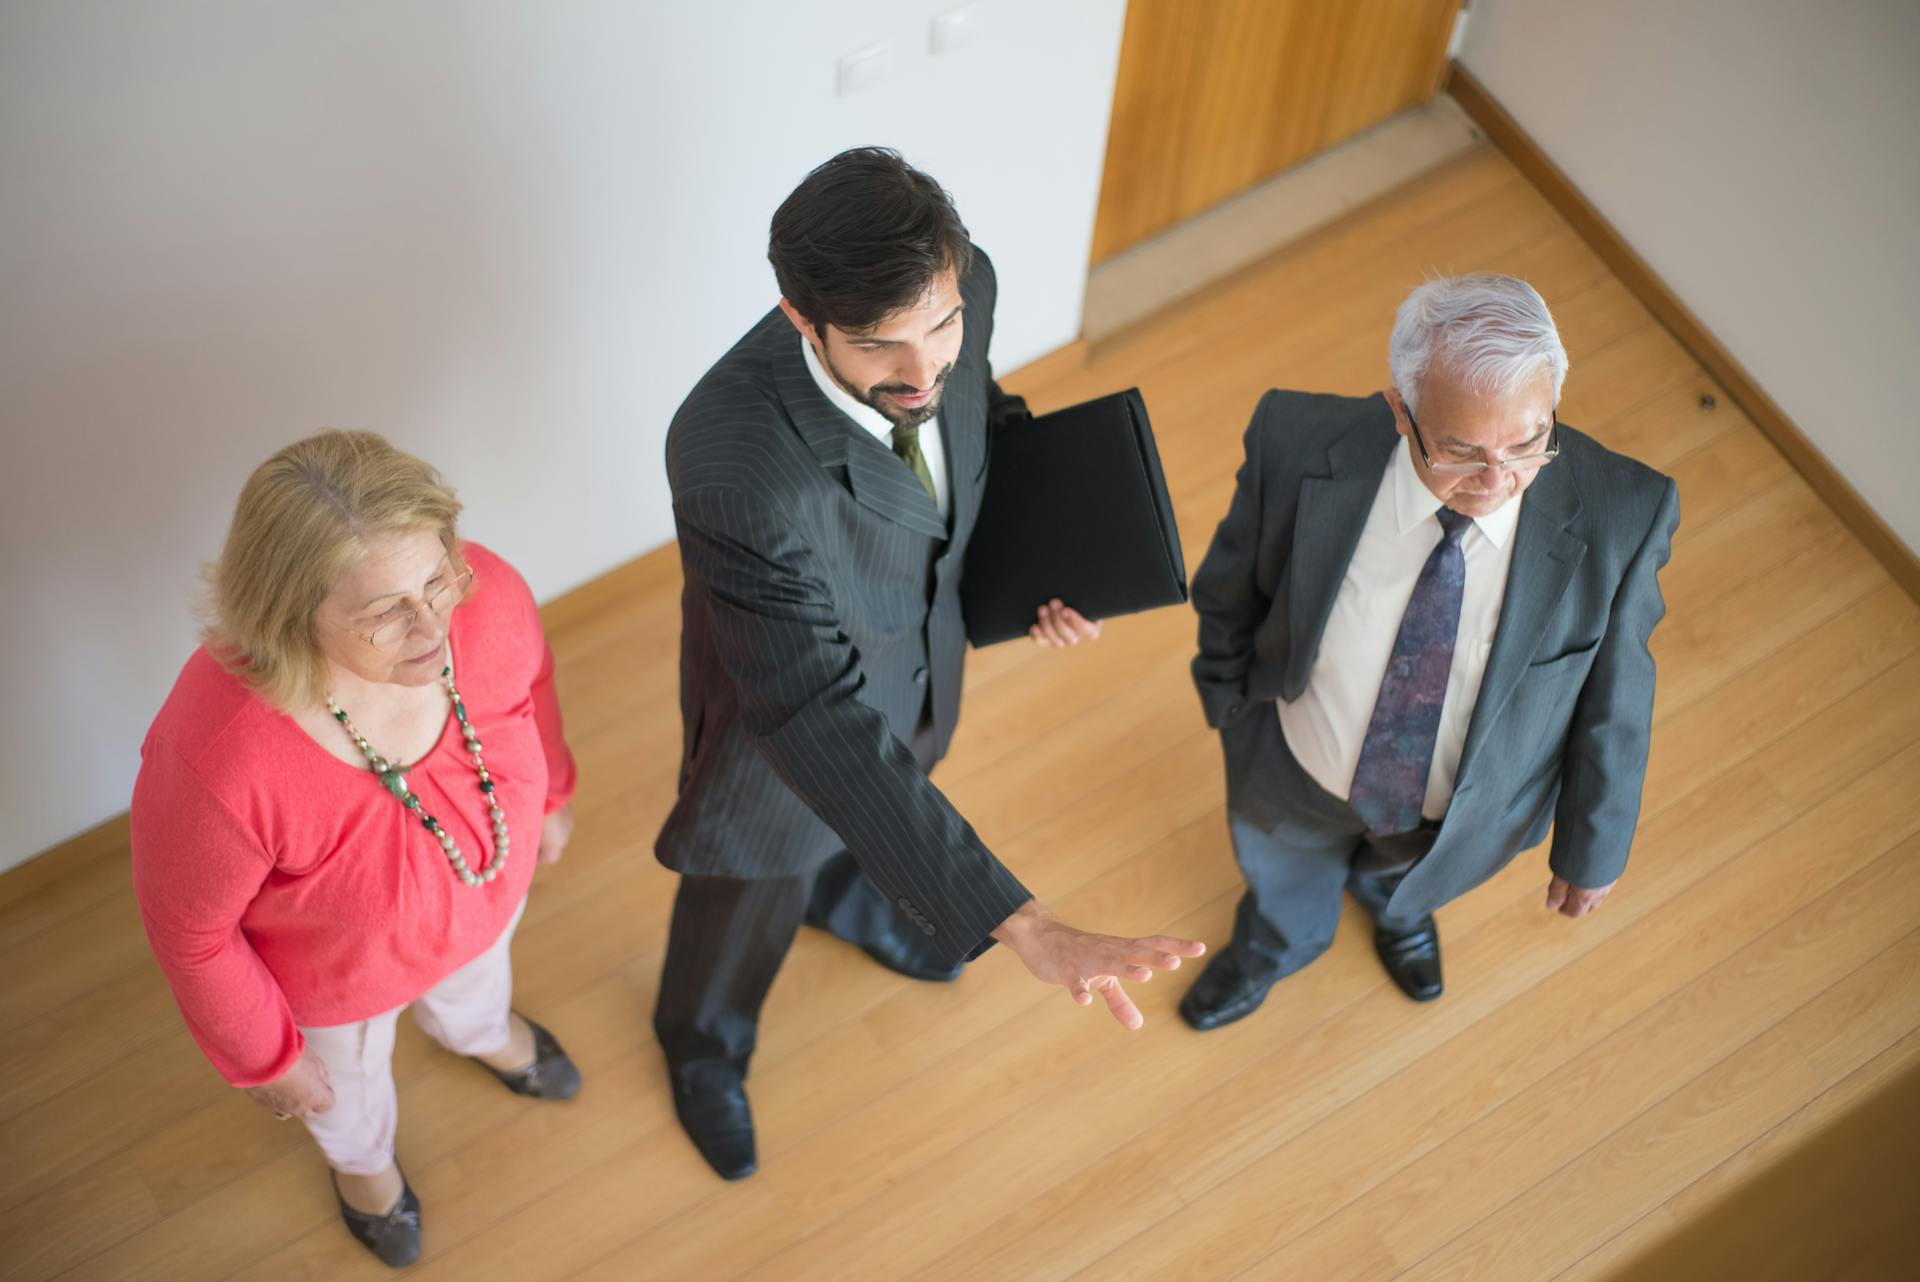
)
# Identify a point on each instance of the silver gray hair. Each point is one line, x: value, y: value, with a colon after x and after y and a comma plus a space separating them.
x: 1493, y: 332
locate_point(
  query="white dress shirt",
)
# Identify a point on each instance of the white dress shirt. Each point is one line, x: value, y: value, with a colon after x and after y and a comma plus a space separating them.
x: 1327, y: 724
x: 932, y: 447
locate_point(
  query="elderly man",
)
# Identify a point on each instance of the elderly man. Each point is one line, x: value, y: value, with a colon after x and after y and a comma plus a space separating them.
x: 1423, y: 639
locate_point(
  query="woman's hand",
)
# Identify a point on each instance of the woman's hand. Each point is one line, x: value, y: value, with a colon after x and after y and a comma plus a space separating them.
x: 301, y: 1091
x: 555, y: 832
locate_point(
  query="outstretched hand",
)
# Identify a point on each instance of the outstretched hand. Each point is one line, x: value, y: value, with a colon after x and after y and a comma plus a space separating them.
x: 1085, y: 964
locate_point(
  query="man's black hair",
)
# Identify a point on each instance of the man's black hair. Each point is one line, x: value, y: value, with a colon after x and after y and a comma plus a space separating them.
x: 862, y: 237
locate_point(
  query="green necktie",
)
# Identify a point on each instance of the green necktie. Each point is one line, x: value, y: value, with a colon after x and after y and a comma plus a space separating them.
x: 906, y: 443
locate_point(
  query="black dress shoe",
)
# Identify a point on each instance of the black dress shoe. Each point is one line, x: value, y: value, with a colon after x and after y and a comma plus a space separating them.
x: 1413, y: 959
x: 551, y: 1075
x: 720, y: 1125
x: 1223, y: 993
x: 899, y: 954
x: 394, y: 1237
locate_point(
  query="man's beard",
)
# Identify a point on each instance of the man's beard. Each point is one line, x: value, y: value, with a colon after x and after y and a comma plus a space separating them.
x: 898, y: 415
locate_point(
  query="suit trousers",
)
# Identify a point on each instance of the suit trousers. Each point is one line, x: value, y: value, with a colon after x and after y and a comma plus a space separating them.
x: 467, y: 1012
x: 729, y: 937
x: 1299, y: 847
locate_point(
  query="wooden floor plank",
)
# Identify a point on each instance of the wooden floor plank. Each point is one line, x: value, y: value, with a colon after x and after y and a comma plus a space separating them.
x: 1646, y: 1250
x: 1691, y: 1130
x: 1426, y: 1207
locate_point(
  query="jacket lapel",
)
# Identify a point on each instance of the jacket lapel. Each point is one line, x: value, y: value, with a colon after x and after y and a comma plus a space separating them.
x: 1331, y: 513
x: 883, y: 483
x: 878, y: 479
x: 963, y: 428
x: 1545, y: 556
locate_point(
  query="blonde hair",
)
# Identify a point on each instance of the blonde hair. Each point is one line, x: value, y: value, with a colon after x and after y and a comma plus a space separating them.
x: 303, y: 517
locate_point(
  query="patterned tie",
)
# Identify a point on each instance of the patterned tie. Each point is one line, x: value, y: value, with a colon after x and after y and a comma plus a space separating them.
x: 1390, y: 783
x: 906, y: 443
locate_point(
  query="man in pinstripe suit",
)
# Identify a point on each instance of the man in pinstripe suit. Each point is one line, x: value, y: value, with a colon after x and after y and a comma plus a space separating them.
x: 826, y: 475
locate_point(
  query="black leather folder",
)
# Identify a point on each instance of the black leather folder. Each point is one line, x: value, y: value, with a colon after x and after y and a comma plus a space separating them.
x: 1076, y: 508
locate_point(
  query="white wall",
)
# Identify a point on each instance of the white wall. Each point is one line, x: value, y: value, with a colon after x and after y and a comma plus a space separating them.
x: 1764, y: 157
x: 509, y: 235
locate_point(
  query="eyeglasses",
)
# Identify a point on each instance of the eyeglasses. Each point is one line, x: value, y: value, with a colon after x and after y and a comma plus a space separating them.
x: 1521, y: 463
x: 442, y: 599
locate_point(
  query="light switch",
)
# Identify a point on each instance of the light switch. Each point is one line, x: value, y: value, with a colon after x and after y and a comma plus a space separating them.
x: 862, y: 69
x: 955, y: 28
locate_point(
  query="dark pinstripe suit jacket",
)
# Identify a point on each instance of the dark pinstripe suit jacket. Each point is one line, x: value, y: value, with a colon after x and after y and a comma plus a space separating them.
x: 1559, y: 733
x: 821, y: 609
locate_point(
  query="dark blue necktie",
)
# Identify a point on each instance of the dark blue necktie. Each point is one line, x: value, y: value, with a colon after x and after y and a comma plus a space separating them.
x: 1390, y: 783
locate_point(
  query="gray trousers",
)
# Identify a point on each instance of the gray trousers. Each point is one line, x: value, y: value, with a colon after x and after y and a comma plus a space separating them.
x: 1299, y: 847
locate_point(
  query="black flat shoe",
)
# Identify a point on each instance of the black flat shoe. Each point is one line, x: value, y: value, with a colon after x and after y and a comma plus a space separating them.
x: 1413, y: 959
x: 1223, y: 993
x: 394, y: 1238
x: 551, y: 1076
x: 720, y: 1125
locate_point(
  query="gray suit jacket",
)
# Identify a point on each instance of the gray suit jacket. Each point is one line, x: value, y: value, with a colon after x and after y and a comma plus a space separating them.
x: 1559, y: 733
x: 821, y: 608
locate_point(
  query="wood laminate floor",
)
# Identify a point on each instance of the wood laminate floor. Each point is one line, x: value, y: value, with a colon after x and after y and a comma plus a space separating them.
x: 1583, y: 1092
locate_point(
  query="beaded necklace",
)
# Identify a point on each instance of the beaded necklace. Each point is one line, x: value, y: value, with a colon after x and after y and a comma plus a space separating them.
x: 393, y: 778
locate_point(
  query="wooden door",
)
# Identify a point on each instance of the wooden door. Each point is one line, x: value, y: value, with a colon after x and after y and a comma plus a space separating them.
x: 1215, y: 95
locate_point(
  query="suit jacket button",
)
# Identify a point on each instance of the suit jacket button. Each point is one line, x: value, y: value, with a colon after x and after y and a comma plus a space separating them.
x: 907, y: 907
x: 927, y: 926
x: 919, y: 676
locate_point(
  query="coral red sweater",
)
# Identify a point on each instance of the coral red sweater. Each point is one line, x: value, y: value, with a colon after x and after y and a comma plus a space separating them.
x: 282, y: 887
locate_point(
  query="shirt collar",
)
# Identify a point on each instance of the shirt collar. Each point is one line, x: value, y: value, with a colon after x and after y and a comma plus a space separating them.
x: 865, y: 415
x: 1413, y: 502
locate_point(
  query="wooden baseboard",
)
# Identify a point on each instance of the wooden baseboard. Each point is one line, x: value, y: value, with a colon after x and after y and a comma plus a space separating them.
x: 1506, y: 134
x: 105, y: 840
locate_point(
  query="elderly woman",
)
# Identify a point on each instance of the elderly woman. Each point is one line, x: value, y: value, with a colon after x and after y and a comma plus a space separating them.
x: 331, y: 802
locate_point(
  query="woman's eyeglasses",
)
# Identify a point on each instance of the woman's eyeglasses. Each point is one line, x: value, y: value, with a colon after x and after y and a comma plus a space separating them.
x: 441, y: 600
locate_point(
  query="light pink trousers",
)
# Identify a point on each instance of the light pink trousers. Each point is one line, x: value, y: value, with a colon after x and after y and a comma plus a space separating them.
x: 467, y: 1012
